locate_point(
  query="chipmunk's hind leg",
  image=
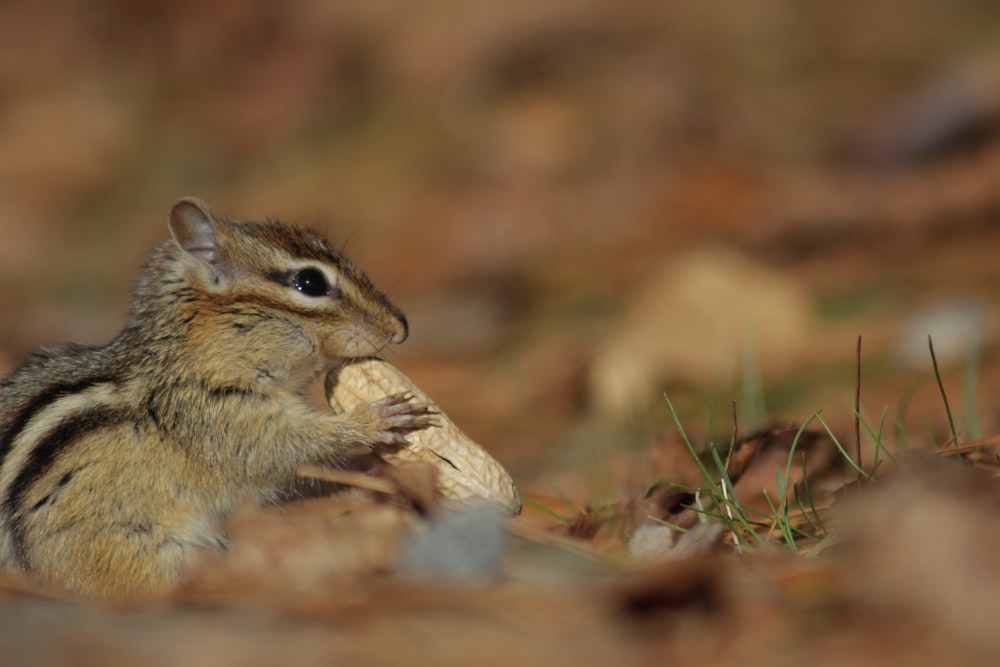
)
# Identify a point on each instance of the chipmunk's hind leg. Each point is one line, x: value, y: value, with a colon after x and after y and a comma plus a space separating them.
x: 124, y: 560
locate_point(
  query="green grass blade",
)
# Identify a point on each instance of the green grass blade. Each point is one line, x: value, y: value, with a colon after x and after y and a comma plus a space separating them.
x: 544, y: 510
x: 781, y: 525
x: 879, y: 447
x: 840, y: 447
x: 897, y: 421
x: 736, y: 514
x: 672, y: 526
x: 944, y: 395
x: 755, y: 409
x: 808, y: 514
x: 687, y: 442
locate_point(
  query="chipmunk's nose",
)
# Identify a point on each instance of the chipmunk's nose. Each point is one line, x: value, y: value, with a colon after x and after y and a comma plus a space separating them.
x: 402, y: 332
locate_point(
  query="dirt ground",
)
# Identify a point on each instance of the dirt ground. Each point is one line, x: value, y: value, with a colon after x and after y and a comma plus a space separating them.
x: 582, y: 208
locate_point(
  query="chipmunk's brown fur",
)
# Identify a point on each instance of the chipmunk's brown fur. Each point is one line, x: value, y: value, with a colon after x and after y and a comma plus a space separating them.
x: 116, y: 460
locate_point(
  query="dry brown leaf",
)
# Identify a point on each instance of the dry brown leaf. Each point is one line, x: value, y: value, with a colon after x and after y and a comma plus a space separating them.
x: 467, y: 473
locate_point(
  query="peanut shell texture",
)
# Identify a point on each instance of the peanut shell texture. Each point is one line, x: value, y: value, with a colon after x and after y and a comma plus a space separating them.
x: 467, y: 474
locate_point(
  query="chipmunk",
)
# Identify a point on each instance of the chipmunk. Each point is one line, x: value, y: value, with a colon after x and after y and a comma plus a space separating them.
x: 117, y: 460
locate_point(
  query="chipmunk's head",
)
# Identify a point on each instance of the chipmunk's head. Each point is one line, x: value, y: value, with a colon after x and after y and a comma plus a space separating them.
x: 287, y: 272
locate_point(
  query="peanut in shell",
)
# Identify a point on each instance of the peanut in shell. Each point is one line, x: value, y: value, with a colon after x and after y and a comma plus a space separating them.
x: 467, y: 474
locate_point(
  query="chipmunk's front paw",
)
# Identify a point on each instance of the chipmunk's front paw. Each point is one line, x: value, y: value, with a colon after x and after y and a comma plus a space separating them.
x: 393, y: 416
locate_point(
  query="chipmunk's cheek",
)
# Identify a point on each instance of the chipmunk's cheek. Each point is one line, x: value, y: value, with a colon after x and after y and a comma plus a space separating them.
x: 338, y: 346
x: 329, y: 353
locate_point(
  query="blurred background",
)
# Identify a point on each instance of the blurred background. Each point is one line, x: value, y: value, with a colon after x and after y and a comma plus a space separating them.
x: 580, y: 205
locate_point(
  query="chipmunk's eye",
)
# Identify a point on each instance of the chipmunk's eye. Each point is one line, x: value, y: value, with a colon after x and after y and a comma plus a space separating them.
x: 311, y: 282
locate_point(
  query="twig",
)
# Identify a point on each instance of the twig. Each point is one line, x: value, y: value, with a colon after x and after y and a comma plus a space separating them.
x: 347, y: 478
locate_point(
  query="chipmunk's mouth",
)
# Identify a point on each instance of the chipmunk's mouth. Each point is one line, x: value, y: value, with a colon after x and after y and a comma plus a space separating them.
x: 336, y: 363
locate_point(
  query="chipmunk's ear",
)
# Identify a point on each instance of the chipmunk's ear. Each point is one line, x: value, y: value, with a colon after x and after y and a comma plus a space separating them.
x: 193, y: 228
